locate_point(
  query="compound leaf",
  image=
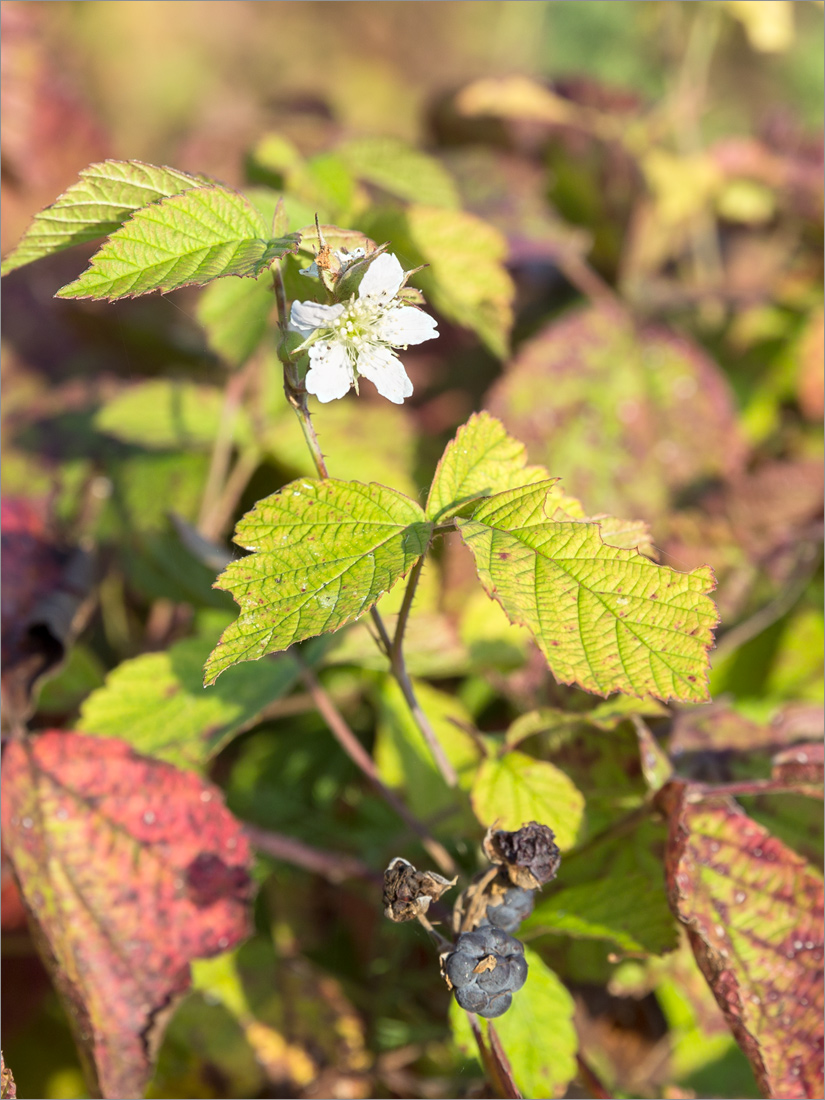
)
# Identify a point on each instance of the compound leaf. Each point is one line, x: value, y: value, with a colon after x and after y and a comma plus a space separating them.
x: 482, y: 460
x: 607, y: 619
x: 515, y: 789
x: 324, y: 552
x: 753, y: 910
x: 157, y: 703
x: 130, y: 869
x: 99, y: 203
x: 195, y: 237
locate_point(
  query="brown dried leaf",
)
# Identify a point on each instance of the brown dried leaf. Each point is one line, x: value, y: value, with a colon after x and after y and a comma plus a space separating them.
x: 130, y: 869
x: 753, y: 909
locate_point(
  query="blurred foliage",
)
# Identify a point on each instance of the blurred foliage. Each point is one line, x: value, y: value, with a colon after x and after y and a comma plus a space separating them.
x: 620, y: 204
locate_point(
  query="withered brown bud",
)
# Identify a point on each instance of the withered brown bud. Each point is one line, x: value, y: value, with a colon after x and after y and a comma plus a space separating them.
x: 529, y: 855
x: 408, y: 893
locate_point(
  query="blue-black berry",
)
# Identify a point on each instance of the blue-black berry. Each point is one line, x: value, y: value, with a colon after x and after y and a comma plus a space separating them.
x: 486, y: 967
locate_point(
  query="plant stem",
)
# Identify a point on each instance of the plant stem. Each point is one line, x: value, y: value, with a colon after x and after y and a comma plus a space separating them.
x: 333, y: 866
x: 222, y: 449
x: 392, y: 647
x: 362, y: 759
x: 399, y: 671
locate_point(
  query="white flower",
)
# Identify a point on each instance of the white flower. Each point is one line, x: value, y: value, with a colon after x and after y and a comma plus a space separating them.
x: 357, y: 338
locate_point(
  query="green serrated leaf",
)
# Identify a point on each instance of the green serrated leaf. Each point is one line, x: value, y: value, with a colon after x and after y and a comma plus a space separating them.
x: 158, y: 704
x: 234, y: 314
x: 606, y: 619
x: 400, y: 170
x: 482, y: 460
x: 99, y: 203
x: 324, y: 552
x: 537, y: 1032
x: 514, y: 789
x: 168, y: 414
x: 200, y: 235
x: 617, y: 908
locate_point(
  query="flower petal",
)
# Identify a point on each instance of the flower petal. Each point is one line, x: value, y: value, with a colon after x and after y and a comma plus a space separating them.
x: 406, y: 325
x: 386, y: 372
x: 306, y: 317
x: 383, y: 278
x: 330, y: 374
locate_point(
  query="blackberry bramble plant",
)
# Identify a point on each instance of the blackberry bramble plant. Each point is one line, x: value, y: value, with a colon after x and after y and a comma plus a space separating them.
x: 320, y: 554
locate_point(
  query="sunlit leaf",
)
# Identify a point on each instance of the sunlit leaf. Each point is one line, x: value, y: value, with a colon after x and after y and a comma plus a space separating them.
x: 606, y: 619
x: 194, y: 237
x: 753, y: 909
x: 130, y: 869
x: 99, y: 203
x: 514, y: 789
x: 536, y: 1033
x: 324, y: 552
x: 482, y: 460
x: 157, y: 702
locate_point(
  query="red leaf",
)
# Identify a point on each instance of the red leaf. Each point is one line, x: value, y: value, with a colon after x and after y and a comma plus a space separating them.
x: 753, y: 909
x: 130, y: 869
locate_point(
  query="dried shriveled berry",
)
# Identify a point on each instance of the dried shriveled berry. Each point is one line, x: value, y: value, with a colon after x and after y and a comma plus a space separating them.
x: 408, y: 892
x: 529, y: 855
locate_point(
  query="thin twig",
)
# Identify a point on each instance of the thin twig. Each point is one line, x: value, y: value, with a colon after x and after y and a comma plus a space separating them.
x: 441, y: 943
x: 222, y: 447
x: 399, y: 671
x: 769, y: 614
x: 245, y: 466
x: 361, y: 758
x: 333, y: 866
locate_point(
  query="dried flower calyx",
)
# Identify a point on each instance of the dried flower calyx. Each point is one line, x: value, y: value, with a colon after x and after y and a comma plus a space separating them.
x: 529, y: 855
x: 408, y: 892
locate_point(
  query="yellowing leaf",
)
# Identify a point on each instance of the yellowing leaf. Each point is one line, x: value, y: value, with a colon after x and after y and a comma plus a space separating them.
x: 482, y: 460
x: 515, y: 789
x: 605, y: 618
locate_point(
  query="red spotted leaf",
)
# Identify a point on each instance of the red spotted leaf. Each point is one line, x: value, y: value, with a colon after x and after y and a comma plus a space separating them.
x: 130, y: 869
x: 753, y: 909
x: 45, y: 587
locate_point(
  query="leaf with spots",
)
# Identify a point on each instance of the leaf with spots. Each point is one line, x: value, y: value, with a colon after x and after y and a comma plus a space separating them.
x: 130, y: 869
x: 482, y: 459
x: 606, y: 618
x: 202, y: 234
x: 99, y: 203
x: 753, y: 909
x: 323, y: 554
